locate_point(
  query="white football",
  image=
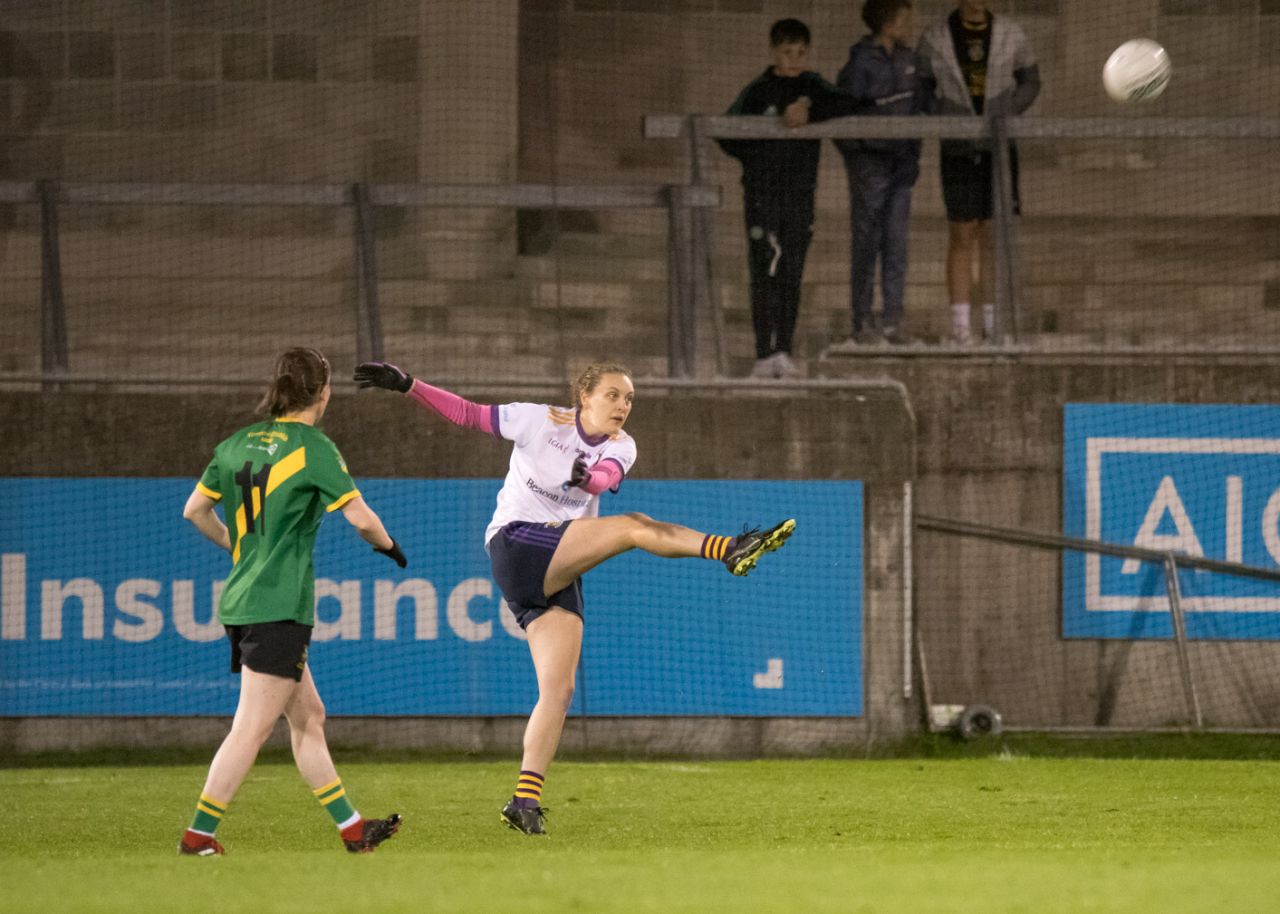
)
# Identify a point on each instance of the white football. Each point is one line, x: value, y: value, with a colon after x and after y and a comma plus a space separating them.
x: 1137, y: 71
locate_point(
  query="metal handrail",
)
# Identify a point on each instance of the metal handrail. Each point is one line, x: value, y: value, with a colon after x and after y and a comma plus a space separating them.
x: 687, y: 287
x: 1059, y: 542
x: 1169, y: 562
x: 995, y: 132
x: 490, y: 382
x: 671, y: 126
x: 604, y: 196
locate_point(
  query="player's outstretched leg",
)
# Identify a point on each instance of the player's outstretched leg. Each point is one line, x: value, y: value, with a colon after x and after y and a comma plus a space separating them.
x: 373, y: 833
x: 589, y: 541
x: 746, y: 548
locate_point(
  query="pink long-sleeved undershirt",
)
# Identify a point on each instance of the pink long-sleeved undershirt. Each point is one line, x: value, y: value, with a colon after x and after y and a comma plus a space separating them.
x: 607, y: 474
x: 456, y: 409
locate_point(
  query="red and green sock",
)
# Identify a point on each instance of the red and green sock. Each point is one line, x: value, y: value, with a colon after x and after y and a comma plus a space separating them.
x: 209, y: 813
x: 333, y: 797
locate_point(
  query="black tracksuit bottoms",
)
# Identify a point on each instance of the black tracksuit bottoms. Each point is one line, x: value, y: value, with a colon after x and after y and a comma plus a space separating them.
x: 779, y: 227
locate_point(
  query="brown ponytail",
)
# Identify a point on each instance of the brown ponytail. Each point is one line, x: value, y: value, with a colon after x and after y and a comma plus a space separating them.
x: 589, y: 380
x: 301, y: 375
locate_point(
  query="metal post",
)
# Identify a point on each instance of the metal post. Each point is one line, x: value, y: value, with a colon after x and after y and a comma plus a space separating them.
x: 53, y: 313
x: 926, y: 688
x: 1007, y: 317
x: 368, y: 316
x: 681, y: 323
x: 1180, y: 638
x: 705, y: 288
x: 908, y: 587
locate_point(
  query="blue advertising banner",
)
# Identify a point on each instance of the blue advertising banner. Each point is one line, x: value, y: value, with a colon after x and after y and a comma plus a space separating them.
x: 1199, y: 480
x: 107, y: 607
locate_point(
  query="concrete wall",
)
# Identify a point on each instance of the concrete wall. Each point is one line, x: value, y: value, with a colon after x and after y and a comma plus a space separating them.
x: 988, y: 433
x: 989, y: 438
x: 404, y: 90
x: 861, y: 433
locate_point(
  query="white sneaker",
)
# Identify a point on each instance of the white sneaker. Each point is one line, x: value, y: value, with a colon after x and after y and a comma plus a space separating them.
x: 785, y: 368
x: 960, y: 336
x: 764, y: 368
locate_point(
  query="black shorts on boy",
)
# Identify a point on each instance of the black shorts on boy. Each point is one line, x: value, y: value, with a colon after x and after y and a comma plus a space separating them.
x: 966, y: 186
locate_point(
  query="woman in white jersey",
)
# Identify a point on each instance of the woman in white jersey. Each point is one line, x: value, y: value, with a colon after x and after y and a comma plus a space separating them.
x: 546, y: 533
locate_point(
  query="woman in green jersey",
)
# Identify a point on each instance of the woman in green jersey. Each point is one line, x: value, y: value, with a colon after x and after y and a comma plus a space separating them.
x: 276, y: 480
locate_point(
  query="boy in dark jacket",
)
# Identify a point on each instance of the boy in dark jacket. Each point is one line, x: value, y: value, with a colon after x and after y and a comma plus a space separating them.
x: 778, y: 181
x: 882, y: 75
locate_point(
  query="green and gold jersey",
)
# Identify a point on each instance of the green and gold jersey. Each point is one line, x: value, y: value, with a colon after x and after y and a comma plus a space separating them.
x: 275, y: 480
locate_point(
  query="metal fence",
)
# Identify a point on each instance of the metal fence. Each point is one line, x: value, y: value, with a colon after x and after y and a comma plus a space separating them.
x: 1161, y: 185
x: 1005, y: 652
x: 363, y: 202
x: 1179, y: 255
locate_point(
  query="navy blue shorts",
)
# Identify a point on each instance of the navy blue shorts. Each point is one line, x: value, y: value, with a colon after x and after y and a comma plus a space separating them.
x: 520, y: 553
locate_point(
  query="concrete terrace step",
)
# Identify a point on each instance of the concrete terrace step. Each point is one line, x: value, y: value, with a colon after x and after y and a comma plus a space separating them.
x: 188, y: 310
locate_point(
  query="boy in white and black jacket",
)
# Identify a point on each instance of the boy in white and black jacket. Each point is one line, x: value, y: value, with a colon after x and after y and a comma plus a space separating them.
x: 974, y: 63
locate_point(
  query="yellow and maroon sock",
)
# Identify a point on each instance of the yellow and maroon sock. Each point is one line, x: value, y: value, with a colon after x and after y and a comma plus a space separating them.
x: 716, y: 547
x: 529, y: 789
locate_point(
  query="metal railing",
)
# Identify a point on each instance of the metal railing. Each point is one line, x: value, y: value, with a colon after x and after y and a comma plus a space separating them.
x: 996, y: 132
x: 691, y: 281
x: 1169, y: 562
x: 681, y: 202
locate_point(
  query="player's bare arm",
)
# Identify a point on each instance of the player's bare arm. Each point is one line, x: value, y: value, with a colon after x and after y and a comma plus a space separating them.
x: 367, y: 523
x: 200, y: 511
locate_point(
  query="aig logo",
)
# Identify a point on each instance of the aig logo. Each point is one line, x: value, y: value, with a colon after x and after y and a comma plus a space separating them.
x: 1199, y: 481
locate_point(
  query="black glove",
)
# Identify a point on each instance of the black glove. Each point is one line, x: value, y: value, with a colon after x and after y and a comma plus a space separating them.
x: 384, y: 375
x: 580, y: 474
x: 393, y: 552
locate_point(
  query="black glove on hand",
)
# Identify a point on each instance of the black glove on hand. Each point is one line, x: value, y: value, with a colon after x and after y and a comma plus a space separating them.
x: 384, y: 375
x: 393, y: 552
x: 579, y: 474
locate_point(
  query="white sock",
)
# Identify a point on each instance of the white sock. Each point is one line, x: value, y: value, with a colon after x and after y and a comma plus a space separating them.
x: 989, y: 321
x: 960, y: 317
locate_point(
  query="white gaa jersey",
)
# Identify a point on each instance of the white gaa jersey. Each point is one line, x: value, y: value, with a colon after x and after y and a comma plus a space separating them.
x: 547, y: 439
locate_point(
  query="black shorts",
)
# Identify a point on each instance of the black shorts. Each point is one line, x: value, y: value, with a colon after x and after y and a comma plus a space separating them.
x: 520, y: 554
x: 273, y: 648
x: 966, y: 186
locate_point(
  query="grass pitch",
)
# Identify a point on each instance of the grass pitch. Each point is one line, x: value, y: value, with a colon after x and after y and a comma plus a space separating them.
x: 1000, y: 833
